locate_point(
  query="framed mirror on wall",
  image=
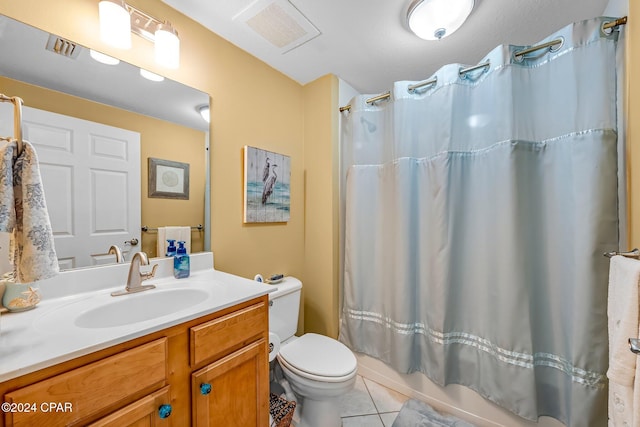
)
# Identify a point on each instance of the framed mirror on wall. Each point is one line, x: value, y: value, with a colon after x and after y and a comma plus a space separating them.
x: 94, y: 126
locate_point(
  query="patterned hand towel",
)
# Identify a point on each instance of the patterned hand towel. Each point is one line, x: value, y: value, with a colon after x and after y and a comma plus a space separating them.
x: 23, y: 212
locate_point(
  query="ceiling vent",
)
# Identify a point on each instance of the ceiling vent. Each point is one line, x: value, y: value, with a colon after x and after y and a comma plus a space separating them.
x: 279, y: 23
x: 62, y: 47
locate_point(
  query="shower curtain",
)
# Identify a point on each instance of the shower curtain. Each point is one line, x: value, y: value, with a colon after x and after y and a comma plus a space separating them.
x: 477, y: 212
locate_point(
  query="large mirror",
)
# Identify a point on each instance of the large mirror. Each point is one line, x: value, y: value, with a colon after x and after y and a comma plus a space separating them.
x: 97, y: 128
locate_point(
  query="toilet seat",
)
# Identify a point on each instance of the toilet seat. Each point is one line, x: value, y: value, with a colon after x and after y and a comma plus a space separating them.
x: 319, y: 358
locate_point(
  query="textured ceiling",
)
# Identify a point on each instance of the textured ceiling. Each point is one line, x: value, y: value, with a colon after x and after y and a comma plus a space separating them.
x: 367, y: 42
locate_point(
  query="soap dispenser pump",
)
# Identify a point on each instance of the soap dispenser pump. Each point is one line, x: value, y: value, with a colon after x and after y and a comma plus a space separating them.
x: 181, y: 262
x: 171, y: 249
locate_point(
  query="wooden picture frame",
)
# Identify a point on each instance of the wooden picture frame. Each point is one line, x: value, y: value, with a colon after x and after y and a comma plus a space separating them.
x: 168, y: 179
x: 267, y: 180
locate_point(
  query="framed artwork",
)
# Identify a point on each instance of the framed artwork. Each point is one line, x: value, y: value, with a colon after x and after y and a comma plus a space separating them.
x: 267, y: 177
x: 168, y: 179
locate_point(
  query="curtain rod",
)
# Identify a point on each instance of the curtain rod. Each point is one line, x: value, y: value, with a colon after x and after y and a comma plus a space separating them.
x: 432, y: 81
x: 464, y: 71
x: 613, y: 24
x: 413, y: 87
x: 519, y: 55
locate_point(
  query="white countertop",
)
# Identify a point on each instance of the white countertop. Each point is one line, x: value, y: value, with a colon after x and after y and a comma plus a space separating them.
x: 48, y: 335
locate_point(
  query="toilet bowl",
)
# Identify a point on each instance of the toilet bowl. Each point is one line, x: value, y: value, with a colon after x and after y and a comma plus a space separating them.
x: 319, y: 370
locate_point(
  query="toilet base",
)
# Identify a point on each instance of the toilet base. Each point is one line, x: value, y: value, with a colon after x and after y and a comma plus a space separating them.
x: 319, y: 413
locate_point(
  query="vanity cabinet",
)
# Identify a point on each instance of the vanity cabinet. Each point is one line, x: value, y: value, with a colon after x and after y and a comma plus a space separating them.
x: 150, y: 411
x: 239, y: 370
x: 210, y: 371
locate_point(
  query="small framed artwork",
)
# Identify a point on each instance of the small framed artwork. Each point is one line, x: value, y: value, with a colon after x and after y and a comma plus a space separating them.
x: 168, y: 179
x: 267, y: 177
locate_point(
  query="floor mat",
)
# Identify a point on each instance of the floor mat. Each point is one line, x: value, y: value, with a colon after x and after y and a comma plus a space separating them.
x: 415, y: 413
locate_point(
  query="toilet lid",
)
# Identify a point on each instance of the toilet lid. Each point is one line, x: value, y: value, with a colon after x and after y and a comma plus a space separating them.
x: 319, y: 355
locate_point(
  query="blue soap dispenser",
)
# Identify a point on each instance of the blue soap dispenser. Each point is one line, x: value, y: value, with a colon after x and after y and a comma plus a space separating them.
x: 181, y: 262
x: 171, y: 249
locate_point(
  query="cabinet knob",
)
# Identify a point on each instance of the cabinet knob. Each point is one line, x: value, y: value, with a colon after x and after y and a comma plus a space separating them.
x: 164, y: 411
x: 205, y: 388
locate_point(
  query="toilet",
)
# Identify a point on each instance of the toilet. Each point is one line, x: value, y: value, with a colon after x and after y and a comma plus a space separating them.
x: 319, y: 369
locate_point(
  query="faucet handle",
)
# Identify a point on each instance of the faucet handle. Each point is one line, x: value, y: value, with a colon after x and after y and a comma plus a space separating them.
x: 150, y: 274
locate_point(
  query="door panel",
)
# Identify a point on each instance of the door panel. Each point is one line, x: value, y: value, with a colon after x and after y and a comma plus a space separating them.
x: 91, y: 178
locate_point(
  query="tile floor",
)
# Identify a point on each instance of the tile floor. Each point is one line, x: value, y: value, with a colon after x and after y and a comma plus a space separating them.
x: 370, y: 404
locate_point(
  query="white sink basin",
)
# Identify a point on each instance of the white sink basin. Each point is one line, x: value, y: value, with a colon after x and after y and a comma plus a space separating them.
x: 104, y: 311
x: 134, y: 308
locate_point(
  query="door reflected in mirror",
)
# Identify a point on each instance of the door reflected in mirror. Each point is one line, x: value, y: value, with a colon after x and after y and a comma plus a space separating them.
x: 94, y: 127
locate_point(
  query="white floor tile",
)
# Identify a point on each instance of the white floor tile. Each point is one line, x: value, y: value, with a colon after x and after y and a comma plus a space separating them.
x: 357, y: 401
x: 362, y: 421
x: 385, y: 400
x: 388, y: 418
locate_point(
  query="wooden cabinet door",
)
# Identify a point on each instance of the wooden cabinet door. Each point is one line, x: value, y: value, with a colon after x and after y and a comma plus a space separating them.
x: 93, y: 389
x: 145, y: 412
x: 233, y: 391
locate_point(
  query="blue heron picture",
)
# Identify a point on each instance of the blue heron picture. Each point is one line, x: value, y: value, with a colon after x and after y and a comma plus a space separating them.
x: 267, y: 176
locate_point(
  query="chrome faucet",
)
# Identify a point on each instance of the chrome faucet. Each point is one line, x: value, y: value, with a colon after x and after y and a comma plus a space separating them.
x: 115, y: 250
x: 136, y: 277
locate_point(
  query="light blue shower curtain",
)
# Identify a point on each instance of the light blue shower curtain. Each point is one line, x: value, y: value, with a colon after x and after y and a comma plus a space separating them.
x: 477, y: 212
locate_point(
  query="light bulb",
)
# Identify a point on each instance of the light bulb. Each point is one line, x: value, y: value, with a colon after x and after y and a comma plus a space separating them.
x: 167, y: 46
x: 150, y: 76
x: 115, y: 24
x: 102, y: 58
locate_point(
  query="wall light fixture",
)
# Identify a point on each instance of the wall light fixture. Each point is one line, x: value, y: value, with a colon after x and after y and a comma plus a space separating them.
x: 151, y: 76
x: 117, y: 33
x: 101, y: 57
x: 436, y: 19
x: 115, y: 23
x: 167, y: 46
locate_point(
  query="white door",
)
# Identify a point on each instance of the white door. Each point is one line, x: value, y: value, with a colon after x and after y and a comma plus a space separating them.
x: 91, y: 178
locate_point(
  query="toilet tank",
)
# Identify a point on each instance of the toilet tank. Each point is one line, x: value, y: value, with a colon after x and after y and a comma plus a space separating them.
x: 284, y: 307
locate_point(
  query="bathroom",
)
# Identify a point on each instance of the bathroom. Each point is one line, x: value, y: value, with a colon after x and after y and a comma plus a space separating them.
x: 252, y: 103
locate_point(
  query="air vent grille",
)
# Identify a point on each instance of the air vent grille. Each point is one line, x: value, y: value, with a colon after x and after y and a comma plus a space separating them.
x: 279, y: 23
x: 63, y: 47
x: 276, y: 26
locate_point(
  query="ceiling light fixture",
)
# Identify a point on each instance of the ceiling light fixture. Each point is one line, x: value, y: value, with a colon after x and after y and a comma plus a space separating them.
x: 102, y: 58
x: 116, y: 31
x: 205, y: 112
x: 436, y: 19
x: 150, y: 76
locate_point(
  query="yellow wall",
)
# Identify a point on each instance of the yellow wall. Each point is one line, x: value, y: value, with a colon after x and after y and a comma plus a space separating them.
x: 157, y: 139
x: 633, y: 122
x: 321, y: 206
x: 251, y: 103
